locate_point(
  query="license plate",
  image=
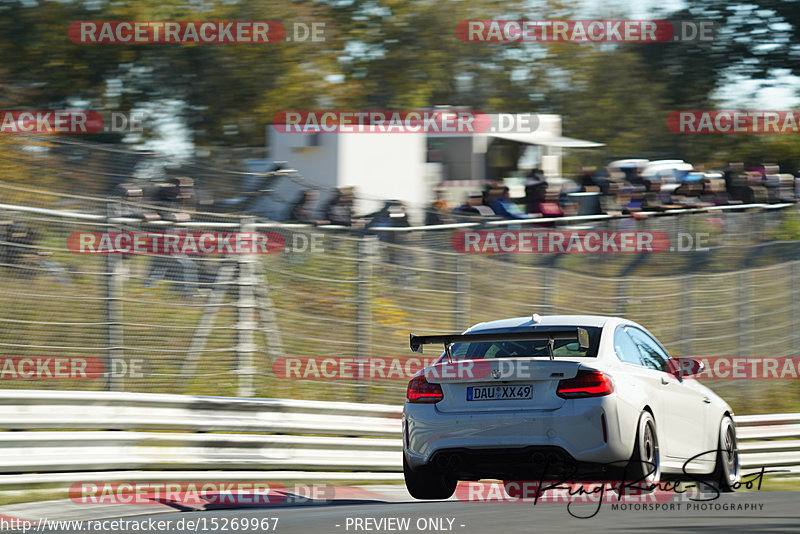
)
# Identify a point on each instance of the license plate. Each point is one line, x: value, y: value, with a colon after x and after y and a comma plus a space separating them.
x: 480, y: 393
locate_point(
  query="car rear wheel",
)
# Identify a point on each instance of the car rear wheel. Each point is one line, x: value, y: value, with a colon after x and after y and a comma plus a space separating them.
x: 428, y: 482
x: 726, y: 473
x: 645, y: 465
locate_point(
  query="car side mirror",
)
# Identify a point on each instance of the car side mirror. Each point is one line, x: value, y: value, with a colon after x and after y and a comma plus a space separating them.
x: 682, y: 367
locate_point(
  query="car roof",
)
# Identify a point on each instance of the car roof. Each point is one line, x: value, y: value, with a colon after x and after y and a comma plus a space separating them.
x: 544, y: 320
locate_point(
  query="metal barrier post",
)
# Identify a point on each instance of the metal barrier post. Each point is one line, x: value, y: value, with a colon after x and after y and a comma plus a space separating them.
x: 550, y: 290
x: 461, y: 303
x: 794, y: 295
x: 364, y: 272
x: 245, y: 324
x: 745, y: 326
x: 114, y: 288
x: 622, y: 298
x: 686, y: 317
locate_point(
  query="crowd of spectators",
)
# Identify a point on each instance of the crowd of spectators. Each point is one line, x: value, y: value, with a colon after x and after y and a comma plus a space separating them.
x: 627, y: 187
x: 634, y: 190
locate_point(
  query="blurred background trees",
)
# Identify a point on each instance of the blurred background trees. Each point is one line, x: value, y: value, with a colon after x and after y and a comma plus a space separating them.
x: 400, y: 54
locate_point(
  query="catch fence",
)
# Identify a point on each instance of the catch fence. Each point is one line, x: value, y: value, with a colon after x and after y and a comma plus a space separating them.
x: 228, y: 324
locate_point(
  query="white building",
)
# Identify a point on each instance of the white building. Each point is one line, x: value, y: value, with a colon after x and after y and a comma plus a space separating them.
x: 408, y: 166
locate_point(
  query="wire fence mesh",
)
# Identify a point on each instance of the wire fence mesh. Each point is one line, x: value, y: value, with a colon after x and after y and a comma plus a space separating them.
x: 225, y: 324
x: 228, y: 324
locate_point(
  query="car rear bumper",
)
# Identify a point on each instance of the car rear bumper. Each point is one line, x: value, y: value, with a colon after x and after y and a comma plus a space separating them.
x: 574, y: 432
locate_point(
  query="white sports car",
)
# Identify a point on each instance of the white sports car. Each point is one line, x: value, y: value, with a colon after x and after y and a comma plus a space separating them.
x: 516, y: 398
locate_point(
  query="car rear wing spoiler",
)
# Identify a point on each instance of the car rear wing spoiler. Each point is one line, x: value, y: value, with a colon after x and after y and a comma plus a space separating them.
x: 579, y: 334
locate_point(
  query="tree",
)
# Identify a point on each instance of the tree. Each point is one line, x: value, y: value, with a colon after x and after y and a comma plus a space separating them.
x: 227, y: 91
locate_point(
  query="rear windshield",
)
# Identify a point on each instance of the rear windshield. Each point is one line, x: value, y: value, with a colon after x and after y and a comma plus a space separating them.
x: 565, y: 348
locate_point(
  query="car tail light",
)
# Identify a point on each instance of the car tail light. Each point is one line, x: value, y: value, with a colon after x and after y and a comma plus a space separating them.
x: 585, y: 384
x: 422, y: 391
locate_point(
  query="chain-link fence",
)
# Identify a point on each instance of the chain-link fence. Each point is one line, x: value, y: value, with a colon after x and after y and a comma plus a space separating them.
x: 225, y: 324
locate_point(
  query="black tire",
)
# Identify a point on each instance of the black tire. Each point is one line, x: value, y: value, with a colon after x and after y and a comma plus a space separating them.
x: 428, y: 483
x: 726, y: 473
x: 645, y: 463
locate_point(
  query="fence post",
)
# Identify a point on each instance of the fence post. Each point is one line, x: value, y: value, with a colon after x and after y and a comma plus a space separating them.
x: 549, y: 290
x: 794, y: 280
x: 245, y: 322
x: 461, y: 301
x: 621, y: 300
x: 114, y: 288
x: 269, y: 318
x: 222, y: 283
x: 686, y: 317
x: 365, y: 249
x: 745, y: 328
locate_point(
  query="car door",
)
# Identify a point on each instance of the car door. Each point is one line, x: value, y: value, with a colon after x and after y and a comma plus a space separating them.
x: 645, y: 381
x: 684, y: 411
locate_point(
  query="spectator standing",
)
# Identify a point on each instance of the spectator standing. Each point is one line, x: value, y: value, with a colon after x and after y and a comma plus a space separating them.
x: 473, y: 207
x: 437, y: 211
x: 586, y: 180
x: 503, y: 206
x: 302, y: 209
x: 339, y: 210
x: 535, y: 191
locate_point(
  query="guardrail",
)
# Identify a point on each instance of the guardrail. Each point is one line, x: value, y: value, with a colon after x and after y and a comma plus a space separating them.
x: 766, y: 440
x: 570, y: 219
x: 66, y: 436
x: 72, y: 410
x: 62, y: 437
